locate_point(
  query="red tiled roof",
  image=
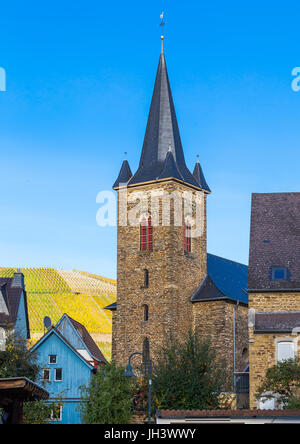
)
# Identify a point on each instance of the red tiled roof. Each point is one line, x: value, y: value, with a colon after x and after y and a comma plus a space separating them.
x: 226, y: 413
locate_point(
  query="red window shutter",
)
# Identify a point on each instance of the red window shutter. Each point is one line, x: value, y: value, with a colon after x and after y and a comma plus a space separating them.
x: 143, y: 234
x: 149, y: 237
x: 187, y: 238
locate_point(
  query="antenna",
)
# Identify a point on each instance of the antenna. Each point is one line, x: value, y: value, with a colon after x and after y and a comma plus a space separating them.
x: 162, y: 24
x: 47, y: 322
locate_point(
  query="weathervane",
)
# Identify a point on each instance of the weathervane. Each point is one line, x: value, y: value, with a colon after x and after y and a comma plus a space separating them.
x: 162, y: 24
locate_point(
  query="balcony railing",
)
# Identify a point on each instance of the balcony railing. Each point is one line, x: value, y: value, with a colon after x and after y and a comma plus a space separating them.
x: 241, y: 382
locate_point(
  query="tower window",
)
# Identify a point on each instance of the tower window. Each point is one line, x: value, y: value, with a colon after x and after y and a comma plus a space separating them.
x: 146, y: 351
x: 187, y: 237
x: 146, y: 312
x: 146, y: 278
x: 146, y: 234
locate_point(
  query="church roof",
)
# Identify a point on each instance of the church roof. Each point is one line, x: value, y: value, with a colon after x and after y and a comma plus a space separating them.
x: 275, y: 242
x: 162, y: 135
x: 124, y: 175
x: 277, y: 322
x: 170, y: 168
x: 225, y: 280
x: 199, y: 177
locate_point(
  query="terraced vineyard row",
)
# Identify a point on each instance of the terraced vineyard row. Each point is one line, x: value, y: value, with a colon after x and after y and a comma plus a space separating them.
x: 81, y: 295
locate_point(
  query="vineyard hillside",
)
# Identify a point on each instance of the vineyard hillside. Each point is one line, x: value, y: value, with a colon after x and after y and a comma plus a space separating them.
x: 81, y: 295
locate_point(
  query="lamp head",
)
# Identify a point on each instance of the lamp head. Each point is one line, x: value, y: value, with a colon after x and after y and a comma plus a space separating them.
x: 129, y: 373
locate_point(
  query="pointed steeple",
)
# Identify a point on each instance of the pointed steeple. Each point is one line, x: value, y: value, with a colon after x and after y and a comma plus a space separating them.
x: 162, y: 131
x: 124, y: 175
x: 199, y: 177
x: 170, y: 168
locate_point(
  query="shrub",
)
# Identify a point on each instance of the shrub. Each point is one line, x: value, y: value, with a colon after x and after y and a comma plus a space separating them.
x: 107, y: 399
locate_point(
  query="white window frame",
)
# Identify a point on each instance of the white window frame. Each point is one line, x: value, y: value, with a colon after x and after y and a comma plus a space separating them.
x: 55, y: 370
x: 46, y: 380
x: 286, y: 339
x: 52, y: 363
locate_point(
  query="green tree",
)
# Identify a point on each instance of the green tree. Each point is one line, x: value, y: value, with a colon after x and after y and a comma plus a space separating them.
x: 37, y: 412
x: 107, y: 399
x: 283, y: 381
x: 188, y: 375
x: 17, y: 361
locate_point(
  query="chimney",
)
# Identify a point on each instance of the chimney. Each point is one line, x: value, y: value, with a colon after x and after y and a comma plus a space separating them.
x: 18, y: 280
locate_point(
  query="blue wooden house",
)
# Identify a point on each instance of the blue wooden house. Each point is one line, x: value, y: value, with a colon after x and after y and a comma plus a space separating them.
x: 68, y: 357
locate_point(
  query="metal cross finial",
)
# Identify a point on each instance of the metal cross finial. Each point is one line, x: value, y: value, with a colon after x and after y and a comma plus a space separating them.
x: 125, y: 155
x: 162, y: 24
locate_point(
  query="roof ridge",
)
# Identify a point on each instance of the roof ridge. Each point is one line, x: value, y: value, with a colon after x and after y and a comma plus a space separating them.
x: 228, y: 260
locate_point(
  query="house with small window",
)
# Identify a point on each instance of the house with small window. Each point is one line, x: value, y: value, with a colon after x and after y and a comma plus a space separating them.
x: 274, y: 286
x: 68, y: 357
x: 13, y: 308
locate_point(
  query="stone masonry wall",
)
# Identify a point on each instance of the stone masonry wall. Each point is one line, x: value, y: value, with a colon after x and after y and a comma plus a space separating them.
x: 214, y: 320
x: 274, y: 301
x: 173, y: 277
x: 262, y: 347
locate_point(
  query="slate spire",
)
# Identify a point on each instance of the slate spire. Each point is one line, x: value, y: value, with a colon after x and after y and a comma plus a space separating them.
x: 199, y: 177
x: 162, y: 132
x: 124, y: 175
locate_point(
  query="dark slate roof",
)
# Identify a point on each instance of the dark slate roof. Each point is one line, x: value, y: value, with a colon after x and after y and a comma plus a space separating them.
x: 170, y: 168
x: 273, y: 322
x: 12, y: 289
x: 88, y: 340
x: 124, y: 175
x: 274, y: 241
x: 199, y: 177
x: 111, y: 307
x: 225, y: 280
x: 162, y: 134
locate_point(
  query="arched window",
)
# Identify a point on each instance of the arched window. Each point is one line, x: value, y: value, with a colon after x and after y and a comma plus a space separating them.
x: 146, y: 312
x: 245, y: 354
x: 187, y: 237
x: 146, y: 278
x: 146, y: 234
x: 146, y: 351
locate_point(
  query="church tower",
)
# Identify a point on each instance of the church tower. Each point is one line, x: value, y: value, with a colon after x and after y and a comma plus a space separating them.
x: 161, y: 262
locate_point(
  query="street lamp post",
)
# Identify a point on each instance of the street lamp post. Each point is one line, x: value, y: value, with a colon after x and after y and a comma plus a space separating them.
x: 129, y: 374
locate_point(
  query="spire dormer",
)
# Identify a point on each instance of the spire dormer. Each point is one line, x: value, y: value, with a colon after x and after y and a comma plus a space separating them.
x: 125, y: 174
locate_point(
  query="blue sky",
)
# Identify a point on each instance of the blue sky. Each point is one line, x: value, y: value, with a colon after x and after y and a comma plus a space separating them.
x: 79, y: 82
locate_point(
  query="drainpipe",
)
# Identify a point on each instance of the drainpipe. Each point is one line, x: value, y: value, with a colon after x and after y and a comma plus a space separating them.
x: 234, y: 343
